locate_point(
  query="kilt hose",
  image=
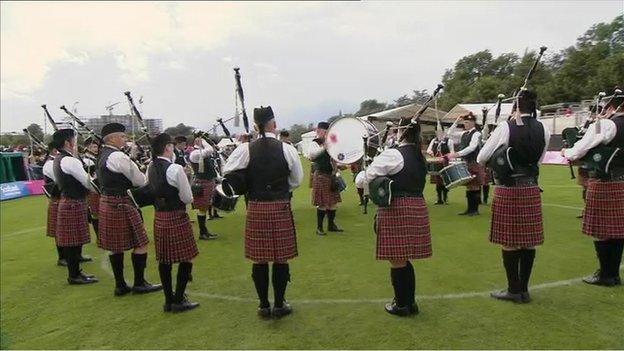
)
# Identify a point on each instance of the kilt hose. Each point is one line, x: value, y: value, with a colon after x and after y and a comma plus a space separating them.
x: 52, y: 212
x: 403, y: 230
x: 270, y: 234
x: 322, y: 195
x: 204, y: 200
x: 93, y: 199
x: 476, y: 170
x: 603, y: 217
x: 120, y: 225
x: 517, y: 217
x: 72, y: 226
x: 173, y: 237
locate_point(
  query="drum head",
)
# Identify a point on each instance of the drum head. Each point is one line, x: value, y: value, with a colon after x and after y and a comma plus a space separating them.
x: 344, y: 141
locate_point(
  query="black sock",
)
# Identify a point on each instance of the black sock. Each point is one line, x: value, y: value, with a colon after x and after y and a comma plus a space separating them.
x: 184, y: 271
x: 511, y: 260
x: 617, y: 256
x: 201, y: 221
x: 59, y: 251
x: 72, y: 256
x: 445, y: 193
x: 139, y: 261
x: 260, y: 276
x: 476, y: 199
x: 320, y: 216
x: 486, y: 193
x: 439, y: 190
x: 602, y: 251
x: 280, y: 278
x: 397, y: 275
x: 80, y: 251
x: 331, y: 217
x: 411, y: 283
x: 164, y: 270
x: 117, y: 263
x: 468, y: 201
x: 361, y: 194
x: 527, y: 256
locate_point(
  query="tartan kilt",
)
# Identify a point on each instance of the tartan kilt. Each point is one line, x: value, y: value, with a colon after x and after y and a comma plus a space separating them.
x: 582, y: 176
x: 603, y: 217
x: 202, y: 201
x: 476, y: 170
x: 403, y: 230
x: 52, y: 212
x: 435, y: 179
x: 173, y: 237
x: 270, y: 234
x: 517, y: 217
x: 72, y: 225
x: 120, y: 224
x: 322, y: 195
x: 93, y: 199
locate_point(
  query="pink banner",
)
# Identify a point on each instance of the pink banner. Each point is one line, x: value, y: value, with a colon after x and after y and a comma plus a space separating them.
x: 35, y: 187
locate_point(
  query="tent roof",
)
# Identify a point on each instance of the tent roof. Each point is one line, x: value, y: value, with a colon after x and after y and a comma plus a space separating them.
x: 462, y: 109
x: 406, y: 111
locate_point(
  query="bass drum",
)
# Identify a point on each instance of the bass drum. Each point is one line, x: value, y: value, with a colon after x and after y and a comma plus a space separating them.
x: 345, y: 139
x: 223, y: 202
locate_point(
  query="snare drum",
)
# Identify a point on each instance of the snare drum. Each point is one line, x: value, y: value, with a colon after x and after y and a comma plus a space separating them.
x: 223, y: 202
x: 455, y: 174
x: 345, y: 139
x: 435, y: 165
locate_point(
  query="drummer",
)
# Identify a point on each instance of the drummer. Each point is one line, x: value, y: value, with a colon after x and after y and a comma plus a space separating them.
x: 440, y: 146
x: 469, y: 147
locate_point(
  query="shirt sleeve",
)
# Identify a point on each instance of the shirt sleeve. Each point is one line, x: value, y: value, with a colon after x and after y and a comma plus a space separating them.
x: 387, y: 163
x: 239, y: 159
x: 177, y: 178
x: 88, y: 162
x: 591, y: 139
x: 73, y: 167
x: 48, y: 170
x: 294, y: 164
x: 314, y: 150
x: 206, y: 151
x: 430, y: 147
x: 451, y: 144
x: 500, y: 136
x: 474, y: 142
x: 119, y: 162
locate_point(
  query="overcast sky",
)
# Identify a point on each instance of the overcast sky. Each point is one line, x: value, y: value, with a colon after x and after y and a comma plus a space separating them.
x: 307, y: 60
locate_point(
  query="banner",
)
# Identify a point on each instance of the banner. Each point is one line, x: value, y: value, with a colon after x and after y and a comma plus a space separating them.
x: 13, y: 190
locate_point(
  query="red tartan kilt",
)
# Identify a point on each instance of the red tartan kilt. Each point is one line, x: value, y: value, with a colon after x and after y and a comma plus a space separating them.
x: 52, y: 213
x: 270, y: 232
x: 93, y: 199
x: 582, y: 177
x: 403, y: 230
x: 603, y: 217
x: 476, y: 170
x: 120, y: 225
x: 436, y: 179
x: 517, y: 217
x: 322, y: 195
x: 173, y: 237
x: 202, y: 201
x: 72, y: 226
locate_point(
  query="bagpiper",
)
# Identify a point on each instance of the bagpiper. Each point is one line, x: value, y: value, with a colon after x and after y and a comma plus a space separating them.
x: 89, y: 159
x: 54, y: 196
x: 205, y: 177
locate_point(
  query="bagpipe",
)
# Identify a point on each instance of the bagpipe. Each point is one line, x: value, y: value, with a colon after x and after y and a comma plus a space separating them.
x: 143, y: 153
x: 241, y: 97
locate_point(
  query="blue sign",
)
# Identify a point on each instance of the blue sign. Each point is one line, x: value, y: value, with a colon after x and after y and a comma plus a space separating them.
x: 13, y: 190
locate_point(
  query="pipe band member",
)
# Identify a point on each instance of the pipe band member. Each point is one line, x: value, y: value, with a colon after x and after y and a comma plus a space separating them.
x: 517, y: 206
x: 440, y: 146
x: 173, y: 233
x: 469, y: 147
x: 92, y: 149
x: 120, y: 222
x: 604, y: 203
x: 55, y: 196
x: 271, y: 170
x: 205, y: 177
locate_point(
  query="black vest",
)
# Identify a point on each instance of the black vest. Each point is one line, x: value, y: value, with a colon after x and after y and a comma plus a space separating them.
x: 440, y: 148
x: 166, y: 196
x: 528, y: 144
x: 618, y: 141
x: 464, y: 142
x: 179, y: 157
x: 68, y: 185
x: 209, y: 172
x: 267, y: 172
x: 91, y: 169
x: 410, y: 181
x: 111, y: 183
x: 322, y: 162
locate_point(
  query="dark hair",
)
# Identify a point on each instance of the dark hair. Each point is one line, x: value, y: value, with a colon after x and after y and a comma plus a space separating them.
x: 284, y: 133
x: 527, y: 102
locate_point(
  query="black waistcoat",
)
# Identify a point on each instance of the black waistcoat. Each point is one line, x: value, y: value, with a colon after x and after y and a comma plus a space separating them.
x: 528, y: 145
x: 68, y: 185
x: 322, y: 162
x: 179, y: 157
x: 267, y: 172
x: 166, y: 196
x: 209, y: 172
x: 618, y: 141
x: 464, y: 142
x: 111, y: 183
x: 441, y: 148
x: 411, y: 179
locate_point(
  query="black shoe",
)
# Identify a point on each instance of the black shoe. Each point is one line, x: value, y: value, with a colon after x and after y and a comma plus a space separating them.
x: 507, y: 296
x: 85, y: 259
x: 394, y: 309
x: 279, y: 312
x: 580, y: 216
x: 413, y: 308
x: 264, y: 312
x: 212, y: 236
x: 439, y: 203
x: 83, y: 274
x: 464, y: 213
x: 334, y: 228
x: 62, y: 262
x: 320, y: 232
x: 525, y: 297
x: 216, y: 216
x: 183, y: 306
x: 595, y: 279
x: 81, y: 280
x: 122, y: 290
x: 472, y: 214
x: 146, y: 288
x: 167, y: 307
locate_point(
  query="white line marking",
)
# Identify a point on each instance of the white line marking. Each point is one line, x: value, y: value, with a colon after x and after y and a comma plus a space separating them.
x: 563, y: 206
x: 22, y: 232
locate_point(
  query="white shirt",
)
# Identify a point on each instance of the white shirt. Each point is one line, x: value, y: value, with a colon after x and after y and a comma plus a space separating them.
x: 500, y: 136
x: 360, y: 180
x: 314, y: 150
x: 177, y: 178
x: 118, y: 162
x: 474, y: 142
x: 239, y: 159
x: 72, y: 166
x: 389, y: 162
x: 432, y: 152
x: 48, y: 169
x: 591, y: 139
x: 198, y: 154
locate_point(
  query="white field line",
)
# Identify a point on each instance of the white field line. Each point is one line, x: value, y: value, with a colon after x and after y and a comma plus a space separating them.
x: 563, y: 206
x: 23, y: 232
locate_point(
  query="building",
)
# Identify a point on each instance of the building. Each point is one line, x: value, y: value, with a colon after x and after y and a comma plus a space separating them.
x: 154, y: 125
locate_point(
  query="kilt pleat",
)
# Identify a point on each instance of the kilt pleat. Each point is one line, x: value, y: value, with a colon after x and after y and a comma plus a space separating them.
x: 603, y: 217
x: 120, y: 225
x: 202, y: 201
x: 72, y: 226
x: 322, y: 195
x: 478, y: 181
x: 93, y: 199
x: 403, y: 231
x: 517, y: 217
x: 270, y: 234
x: 173, y: 237
x: 52, y: 213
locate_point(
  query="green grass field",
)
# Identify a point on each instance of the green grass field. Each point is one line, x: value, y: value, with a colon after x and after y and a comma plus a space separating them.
x: 337, y: 289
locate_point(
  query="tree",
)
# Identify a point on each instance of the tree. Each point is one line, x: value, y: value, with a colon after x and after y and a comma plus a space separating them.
x: 35, y: 130
x: 370, y: 106
x: 180, y: 129
x: 297, y: 129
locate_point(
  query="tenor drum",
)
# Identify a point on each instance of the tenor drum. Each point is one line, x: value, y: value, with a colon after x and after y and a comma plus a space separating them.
x: 223, y: 202
x: 455, y: 174
x: 345, y: 139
